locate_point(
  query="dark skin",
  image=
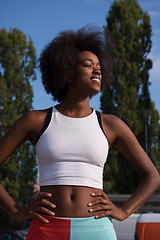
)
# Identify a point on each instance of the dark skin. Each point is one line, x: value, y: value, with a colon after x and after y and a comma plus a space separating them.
x: 79, y: 201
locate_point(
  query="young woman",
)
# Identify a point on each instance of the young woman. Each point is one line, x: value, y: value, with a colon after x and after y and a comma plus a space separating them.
x: 72, y: 142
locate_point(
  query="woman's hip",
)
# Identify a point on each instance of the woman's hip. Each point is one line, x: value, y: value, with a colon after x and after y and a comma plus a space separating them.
x: 60, y: 228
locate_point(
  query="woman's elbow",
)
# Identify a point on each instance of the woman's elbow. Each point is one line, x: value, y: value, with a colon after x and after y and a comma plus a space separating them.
x: 156, y: 179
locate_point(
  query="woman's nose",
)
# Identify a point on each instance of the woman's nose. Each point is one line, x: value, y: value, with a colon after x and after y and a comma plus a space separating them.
x: 97, y: 71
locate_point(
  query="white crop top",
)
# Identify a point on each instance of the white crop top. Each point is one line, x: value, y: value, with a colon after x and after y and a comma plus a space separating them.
x: 72, y: 151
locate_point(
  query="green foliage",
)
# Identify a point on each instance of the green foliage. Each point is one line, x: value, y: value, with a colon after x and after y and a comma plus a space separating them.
x: 17, y: 68
x: 128, y: 97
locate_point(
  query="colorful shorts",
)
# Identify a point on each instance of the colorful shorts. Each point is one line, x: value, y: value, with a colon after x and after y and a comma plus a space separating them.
x: 72, y: 229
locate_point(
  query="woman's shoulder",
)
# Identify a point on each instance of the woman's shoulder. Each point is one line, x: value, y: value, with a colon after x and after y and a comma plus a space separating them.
x: 36, y: 115
x: 115, y: 124
x: 111, y: 119
x: 33, y: 121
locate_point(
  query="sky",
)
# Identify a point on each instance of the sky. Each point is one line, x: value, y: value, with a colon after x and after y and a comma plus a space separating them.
x: 44, y: 19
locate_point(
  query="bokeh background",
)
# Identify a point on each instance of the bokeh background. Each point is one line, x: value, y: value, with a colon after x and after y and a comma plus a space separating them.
x: 44, y: 19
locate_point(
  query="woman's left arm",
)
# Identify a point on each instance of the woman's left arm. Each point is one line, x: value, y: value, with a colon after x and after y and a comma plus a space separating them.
x: 128, y: 145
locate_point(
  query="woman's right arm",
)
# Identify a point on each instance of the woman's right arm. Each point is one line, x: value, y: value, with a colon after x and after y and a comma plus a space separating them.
x: 25, y: 128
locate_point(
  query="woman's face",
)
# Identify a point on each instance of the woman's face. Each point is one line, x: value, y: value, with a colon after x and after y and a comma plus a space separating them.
x: 87, y: 77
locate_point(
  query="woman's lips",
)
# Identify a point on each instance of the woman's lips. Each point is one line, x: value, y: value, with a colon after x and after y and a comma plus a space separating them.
x: 96, y: 79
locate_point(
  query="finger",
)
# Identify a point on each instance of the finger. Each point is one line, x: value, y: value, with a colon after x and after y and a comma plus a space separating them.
x: 107, y: 213
x: 99, y: 201
x: 43, y: 195
x: 44, y: 210
x: 46, y: 203
x: 104, y: 214
x: 99, y: 208
x: 39, y: 217
x: 100, y: 194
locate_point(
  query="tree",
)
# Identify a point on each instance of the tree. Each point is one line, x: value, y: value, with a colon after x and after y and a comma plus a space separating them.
x: 17, y: 68
x: 128, y: 97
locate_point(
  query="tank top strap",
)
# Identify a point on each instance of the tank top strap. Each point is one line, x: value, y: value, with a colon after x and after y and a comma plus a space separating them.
x: 100, y: 121
x: 47, y: 122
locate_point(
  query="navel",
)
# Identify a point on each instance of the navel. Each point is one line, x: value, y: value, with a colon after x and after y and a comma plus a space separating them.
x: 72, y: 197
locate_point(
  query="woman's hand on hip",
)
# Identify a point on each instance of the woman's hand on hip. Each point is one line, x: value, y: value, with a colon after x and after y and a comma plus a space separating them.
x: 36, y: 209
x: 105, y: 207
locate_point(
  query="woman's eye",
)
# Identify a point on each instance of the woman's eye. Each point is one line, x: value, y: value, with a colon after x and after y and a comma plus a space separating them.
x: 87, y: 65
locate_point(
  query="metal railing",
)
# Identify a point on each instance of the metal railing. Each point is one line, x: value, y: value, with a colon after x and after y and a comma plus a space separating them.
x: 152, y: 204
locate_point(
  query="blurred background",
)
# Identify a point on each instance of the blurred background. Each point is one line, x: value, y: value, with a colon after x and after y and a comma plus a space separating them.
x: 43, y: 20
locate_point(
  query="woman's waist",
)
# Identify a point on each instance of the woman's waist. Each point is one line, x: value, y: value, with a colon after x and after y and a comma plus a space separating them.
x: 71, y: 201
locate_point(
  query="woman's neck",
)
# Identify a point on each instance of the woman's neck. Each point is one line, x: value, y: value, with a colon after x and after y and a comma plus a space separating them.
x: 75, y: 108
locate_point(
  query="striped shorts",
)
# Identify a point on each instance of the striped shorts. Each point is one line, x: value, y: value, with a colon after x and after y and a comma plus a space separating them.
x: 72, y: 229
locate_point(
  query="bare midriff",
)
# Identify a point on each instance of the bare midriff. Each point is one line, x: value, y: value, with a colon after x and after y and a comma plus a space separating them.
x: 71, y: 201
